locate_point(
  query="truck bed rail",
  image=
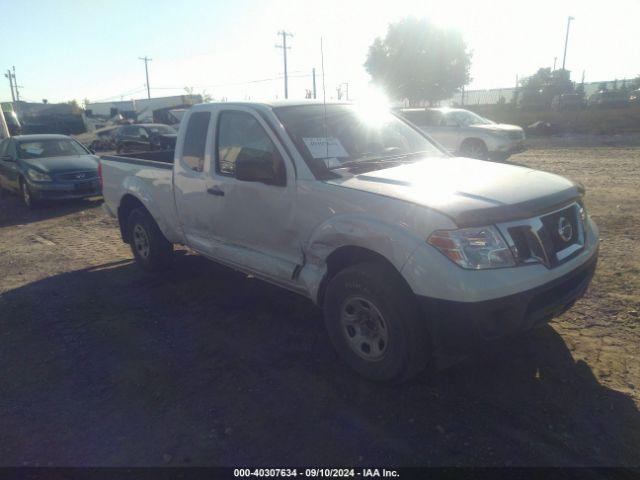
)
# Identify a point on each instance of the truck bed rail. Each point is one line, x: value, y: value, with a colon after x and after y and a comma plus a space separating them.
x: 163, y: 159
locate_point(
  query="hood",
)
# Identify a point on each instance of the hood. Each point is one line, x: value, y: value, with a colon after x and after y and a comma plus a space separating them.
x: 55, y: 165
x: 497, y: 127
x: 470, y: 192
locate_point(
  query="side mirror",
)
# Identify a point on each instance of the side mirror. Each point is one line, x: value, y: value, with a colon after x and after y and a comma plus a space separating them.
x: 257, y: 169
x: 6, y: 158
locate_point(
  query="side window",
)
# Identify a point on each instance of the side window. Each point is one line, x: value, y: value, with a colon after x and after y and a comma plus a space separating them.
x: 195, y: 140
x: 449, y: 121
x: 142, y: 132
x: 3, y: 147
x: 241, y: 137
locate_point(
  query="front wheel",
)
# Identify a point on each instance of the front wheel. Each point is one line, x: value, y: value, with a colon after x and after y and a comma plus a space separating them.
x: 151, y: 249
x: 474, y: 149
x: 375, y: 324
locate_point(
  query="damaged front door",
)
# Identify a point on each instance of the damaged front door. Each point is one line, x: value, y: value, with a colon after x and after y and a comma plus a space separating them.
x: 253, y: 187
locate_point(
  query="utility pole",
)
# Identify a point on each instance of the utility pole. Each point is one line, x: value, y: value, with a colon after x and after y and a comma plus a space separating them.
x: 146, y: 71
x: 15, y: 84
x: 555, y: 59
x: 284, y: 51
x: 10, y: 77
x: 313, y: 74
x: 566, y: 42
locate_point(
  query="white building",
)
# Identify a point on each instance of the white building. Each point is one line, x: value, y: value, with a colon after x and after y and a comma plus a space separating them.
x: 143, y: 108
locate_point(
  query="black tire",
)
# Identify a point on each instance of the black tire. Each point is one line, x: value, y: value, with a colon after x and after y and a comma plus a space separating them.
x: 474, y: 148
x: 151, y: 249
x: 405, y: 351
x: 27, y: 196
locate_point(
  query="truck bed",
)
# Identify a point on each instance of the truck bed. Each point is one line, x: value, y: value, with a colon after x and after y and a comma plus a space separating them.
x: 147, y: 176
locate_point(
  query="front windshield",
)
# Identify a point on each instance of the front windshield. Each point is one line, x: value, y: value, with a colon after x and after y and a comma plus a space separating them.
x: 162, y: 130
x: 465, y: 117
x: 54, y: 147
x: 350, y: 134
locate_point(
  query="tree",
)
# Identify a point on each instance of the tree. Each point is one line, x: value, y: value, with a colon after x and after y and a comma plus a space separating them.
x: 206, y: 97
x: 419, y: 61
x: 540, y: 88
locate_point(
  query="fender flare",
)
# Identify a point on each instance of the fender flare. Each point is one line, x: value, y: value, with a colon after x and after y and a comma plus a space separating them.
x: 353, y: 230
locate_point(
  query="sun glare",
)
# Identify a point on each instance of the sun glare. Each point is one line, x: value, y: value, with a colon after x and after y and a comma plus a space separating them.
x: 373, y: 106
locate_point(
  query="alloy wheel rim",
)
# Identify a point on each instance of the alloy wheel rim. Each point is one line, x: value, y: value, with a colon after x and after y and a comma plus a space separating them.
x: 141, y: 241
x: 476, y: 151
x: 364, y: 328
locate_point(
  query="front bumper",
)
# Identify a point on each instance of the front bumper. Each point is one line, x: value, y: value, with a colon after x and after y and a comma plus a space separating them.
x: 459, y: 327
x: 505, y: 150
x: 65, y: 191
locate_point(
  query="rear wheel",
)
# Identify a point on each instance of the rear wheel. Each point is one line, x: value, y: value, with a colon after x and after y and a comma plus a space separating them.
x: 27, y: 195
x: 151, y: 249
x: 474, y: 148
x: 374, y: 323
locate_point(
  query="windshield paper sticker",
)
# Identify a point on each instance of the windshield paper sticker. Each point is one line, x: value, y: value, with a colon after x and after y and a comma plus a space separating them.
x: 330, y: 147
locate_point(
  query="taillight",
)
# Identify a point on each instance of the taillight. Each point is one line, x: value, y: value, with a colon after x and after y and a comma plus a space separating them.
x: 100, y: 174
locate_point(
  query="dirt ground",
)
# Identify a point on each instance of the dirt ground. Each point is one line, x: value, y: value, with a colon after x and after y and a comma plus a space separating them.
x: 101, y: 365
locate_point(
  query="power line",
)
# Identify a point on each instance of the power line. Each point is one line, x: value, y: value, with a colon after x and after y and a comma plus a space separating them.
x: 284, y: 53
x: 123, y: 94
x: 146, y: 70
x: 247, y: 82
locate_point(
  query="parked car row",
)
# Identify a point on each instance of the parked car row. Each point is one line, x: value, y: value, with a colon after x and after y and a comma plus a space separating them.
x: 143, y: 137
x: 577, y: 101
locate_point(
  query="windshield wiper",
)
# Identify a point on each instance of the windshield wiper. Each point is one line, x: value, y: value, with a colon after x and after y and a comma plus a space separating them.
x: 366, y: 160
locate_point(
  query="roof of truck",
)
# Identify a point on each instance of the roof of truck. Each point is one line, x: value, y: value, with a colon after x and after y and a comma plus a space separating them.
x: 277, y: 103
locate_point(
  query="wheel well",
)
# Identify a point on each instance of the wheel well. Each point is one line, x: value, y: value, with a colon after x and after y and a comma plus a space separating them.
x: 127, y: 205
x: 467, y: 141
x: 473, y: 140
x: 349, y: 256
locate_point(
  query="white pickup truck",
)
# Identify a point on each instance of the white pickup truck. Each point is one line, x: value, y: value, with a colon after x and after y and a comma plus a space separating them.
x: 410, y: 252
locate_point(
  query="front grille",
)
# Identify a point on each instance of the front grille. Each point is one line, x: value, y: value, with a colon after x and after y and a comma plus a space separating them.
x: 552, y: 224
x: 550, y: 239
x: 77, y: 176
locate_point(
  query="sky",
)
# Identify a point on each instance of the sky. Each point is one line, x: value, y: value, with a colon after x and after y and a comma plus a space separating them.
x: 83, y: 49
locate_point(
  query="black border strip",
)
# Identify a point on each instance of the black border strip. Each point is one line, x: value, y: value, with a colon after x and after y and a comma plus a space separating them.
x: 188, y: 473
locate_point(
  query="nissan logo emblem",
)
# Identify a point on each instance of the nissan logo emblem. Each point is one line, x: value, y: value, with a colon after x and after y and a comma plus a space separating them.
x: 565, y: 230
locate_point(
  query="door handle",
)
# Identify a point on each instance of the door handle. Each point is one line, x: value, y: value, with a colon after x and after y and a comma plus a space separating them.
x: 215, y: 191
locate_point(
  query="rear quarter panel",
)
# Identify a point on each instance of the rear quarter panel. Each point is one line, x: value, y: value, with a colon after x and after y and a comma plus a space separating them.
x: 151, y: 185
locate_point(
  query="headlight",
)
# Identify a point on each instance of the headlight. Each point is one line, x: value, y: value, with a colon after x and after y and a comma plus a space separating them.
x: 38, y: 176
x: 473, y: 248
